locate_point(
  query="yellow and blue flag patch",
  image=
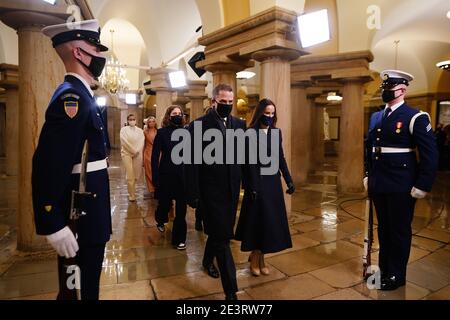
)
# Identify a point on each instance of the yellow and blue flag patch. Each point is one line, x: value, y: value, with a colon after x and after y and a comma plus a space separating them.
x: 71, y: 108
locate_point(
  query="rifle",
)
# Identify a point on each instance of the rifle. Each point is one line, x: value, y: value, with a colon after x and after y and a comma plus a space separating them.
x: 368, y: 237
x: 70, y: 273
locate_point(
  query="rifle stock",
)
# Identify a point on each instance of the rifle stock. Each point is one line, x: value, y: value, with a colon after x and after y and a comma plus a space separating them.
x: 368, y: 237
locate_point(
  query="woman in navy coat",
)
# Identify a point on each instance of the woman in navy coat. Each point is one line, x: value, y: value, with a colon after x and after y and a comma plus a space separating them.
x: 168, y: 178
x: 263, y: 224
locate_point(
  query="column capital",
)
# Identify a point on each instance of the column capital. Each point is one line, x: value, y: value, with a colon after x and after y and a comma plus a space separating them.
x: 301, y: 84
x: 226, y: 65
x: 180, y: 99
x: 283, y: 54
x: 361, y: 80
x: 196, y: 89
x: 18, y: 14
x: 9, y: 76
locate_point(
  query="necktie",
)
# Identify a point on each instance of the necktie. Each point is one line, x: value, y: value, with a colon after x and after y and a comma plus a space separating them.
x: 386, y: 113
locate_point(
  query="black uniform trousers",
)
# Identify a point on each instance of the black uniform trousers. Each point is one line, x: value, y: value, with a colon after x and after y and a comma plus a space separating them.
x: 220, y: 249
x: 90, y: 260
x: 395, y: 213
x: 179, y: 230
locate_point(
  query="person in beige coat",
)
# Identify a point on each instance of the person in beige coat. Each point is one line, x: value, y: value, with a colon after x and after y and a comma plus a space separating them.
x: 132, y: 140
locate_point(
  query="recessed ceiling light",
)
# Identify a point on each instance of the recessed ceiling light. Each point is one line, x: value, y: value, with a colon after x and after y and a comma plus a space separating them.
x: 245, y: 75
x: 333, y: 97
x: 445, y: 65
x: 448, y: 14
x: 52, y: 2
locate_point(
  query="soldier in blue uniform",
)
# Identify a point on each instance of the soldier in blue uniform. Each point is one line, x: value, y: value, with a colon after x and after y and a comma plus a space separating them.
x: 72, y: 118
x: 395, y: 178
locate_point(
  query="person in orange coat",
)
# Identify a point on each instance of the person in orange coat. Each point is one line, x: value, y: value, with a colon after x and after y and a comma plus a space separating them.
x: 150, y: 130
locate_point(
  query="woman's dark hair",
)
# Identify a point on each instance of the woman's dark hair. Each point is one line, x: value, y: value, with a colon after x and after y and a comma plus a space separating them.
x: 259, y: 112
x: 166, y: 119
x: 129, y: 116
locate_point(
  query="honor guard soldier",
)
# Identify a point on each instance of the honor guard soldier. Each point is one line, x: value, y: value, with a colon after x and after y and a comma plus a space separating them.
x: 394, y: 176
x: 71, y: 119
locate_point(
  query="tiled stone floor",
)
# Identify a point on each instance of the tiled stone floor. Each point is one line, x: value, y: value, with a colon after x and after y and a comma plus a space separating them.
x: 324, y: 263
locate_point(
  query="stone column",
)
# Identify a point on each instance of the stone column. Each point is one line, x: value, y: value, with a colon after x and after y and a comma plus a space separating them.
x: 351, y: 144
x: 301, y: 133
x: 196, y: 94
x: 226, y: 73
x: 180, y: 98
x: 2, y: 128
x: 160, y: 83
x: 276, y: 85
x: 317, y: 135
x: 40, y: 71
x: 10, y: 81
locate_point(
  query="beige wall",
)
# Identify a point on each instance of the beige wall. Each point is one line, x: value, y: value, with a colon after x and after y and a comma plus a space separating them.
x: 257, y: 6
x: 211, y: 13
x: 9, y: 45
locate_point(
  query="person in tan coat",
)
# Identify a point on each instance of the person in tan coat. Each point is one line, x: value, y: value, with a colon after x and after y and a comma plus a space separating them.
x: 150, y: 130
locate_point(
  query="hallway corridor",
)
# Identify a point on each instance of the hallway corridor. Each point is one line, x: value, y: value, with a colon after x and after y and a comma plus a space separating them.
x: 325, y: 262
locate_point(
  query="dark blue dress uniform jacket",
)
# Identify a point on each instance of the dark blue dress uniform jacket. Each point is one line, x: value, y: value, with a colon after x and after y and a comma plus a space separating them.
x: 168, y: 177
x: 399, y: 172
x: 216, y: 185
x: 59, y: 149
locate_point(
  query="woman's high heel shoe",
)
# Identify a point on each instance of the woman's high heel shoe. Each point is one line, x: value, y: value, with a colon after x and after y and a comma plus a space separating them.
x: 254, y: 263
x: 262, y: 266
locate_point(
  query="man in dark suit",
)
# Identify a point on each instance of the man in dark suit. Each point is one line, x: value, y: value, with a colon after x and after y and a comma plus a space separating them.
x: 216, y: 186
x: 395, y: 178
x: 72, y: 118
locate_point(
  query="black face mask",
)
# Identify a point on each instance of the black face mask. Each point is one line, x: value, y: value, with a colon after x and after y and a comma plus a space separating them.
x: 96, y: 66
x: 223, y: 109
x: 389, y: 95
x: 177, y: 120
x: 265, y: 120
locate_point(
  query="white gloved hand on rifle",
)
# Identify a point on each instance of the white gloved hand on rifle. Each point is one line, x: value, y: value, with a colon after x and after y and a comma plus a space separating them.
x: 417, y: 193
x: 365, y: 183
x: 64, y: 243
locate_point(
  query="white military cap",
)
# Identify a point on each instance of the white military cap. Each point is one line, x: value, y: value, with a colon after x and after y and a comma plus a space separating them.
x: 395, y: 77
x: 88, y: 30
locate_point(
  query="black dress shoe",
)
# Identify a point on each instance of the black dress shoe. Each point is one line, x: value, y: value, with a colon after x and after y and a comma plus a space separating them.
x: 198, y: 225
x: 231, y: 296
x: 391, y: 283
x: 212, y: 271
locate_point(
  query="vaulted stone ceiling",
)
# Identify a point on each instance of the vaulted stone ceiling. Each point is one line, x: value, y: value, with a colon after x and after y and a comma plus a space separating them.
x: 149, y: 32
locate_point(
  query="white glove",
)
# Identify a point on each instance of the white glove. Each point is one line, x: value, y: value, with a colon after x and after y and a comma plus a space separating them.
x: 64, y: 243
x: 417, y: 193
x: 365, y: 182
